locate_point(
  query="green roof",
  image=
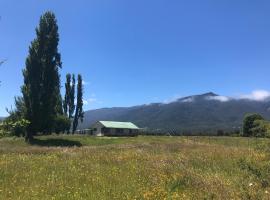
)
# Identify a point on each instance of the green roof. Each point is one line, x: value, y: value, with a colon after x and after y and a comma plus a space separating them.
x: 111, y: 124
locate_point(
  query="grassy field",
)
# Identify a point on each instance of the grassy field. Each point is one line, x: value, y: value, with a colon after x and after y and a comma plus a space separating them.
x: 81, y: 167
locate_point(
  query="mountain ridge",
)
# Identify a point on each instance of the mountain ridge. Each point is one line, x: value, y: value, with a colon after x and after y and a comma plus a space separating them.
x: 208, y: 112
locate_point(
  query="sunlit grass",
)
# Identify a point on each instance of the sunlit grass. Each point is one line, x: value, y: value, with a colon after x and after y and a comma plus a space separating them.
x: 135, y: 168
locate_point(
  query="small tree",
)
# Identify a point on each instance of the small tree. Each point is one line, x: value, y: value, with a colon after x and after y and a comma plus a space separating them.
x: 62, y: 124
x: 11, y: 127
x: 249, y: 124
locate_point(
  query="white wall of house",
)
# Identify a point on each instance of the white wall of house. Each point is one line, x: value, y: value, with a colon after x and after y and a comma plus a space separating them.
x: 112, y: 131
x: 97, y: 126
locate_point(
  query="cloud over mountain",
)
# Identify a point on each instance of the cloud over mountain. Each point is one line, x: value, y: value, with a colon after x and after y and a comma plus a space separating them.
x: 207, y: 112
x: 257, y: 95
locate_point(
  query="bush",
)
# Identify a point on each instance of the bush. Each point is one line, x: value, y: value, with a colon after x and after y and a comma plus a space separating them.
x: 61, y: 124
x: 3, y: 133
x: 261, y: 128
x: 249, y: 124
x: 10, y: 127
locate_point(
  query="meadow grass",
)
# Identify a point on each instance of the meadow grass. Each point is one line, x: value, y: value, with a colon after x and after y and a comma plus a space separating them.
x: 144, y: 167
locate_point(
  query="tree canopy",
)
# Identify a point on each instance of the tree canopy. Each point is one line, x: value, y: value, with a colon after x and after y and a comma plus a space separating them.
x: 79, y: 114
x: 249, y: 123
x: 41, y: 88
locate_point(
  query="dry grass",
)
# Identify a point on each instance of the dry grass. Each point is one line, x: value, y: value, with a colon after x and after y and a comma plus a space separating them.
x: 135, y: 168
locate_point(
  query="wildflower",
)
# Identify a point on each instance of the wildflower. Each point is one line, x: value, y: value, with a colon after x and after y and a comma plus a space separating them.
x: 251, y: 184
x: 266, y: 192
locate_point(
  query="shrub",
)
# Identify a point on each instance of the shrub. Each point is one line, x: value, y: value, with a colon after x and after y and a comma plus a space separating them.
x: 10, y: 127
x: 261, y: 128
x: 249, y: 125
x: 61, y: 124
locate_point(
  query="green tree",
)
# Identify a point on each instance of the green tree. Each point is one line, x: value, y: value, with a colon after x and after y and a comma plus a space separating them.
x: 19, y: 112
x: 69, y: 101
x: 67, y: 94
x: 71, y: 104
x: 10, y: 127
x: 62, y: 124
x: 59, y: 103
x: 41, y: 88
x: 79, y: 114
x: 261, y: 128
x: 249, y: 123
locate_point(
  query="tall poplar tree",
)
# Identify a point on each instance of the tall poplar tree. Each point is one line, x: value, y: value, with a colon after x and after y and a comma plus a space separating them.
x: 79, y: 114
x: 67, y: 94
x: 71, y: 104
x: 69, y: 101
x: 41, y: 88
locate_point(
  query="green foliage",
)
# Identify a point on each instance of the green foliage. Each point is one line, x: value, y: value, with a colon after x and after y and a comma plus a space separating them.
x: 15, y: 124
x: 3, y: 132
x: 249, y: 124
x: 19, y: 111
x: 61, y: 124
x: 41, y: 88
x: 9, y: 127
x: 261, y: 128
x: 79, y: 114
x: 254, y: 125
x: 68, y: 104
x: 71, y: 103
x: 67, y: 94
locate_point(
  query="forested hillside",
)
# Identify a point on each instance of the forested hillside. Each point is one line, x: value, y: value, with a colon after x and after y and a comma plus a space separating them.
x: 199, y: 113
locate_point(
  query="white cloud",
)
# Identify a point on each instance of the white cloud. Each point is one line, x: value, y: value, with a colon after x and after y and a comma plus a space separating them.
x: 219, y: 98
x: 91, y: 101
x: 188, y: 100
x: 257, y: 95
x: 85, y: 82
x: 85, y: 102
x: 172, y: 99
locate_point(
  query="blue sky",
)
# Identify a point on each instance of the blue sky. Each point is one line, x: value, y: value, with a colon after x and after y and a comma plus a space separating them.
x: 136, y: 52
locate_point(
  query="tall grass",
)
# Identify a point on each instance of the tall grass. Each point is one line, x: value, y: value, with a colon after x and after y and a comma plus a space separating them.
x: 135, y: 168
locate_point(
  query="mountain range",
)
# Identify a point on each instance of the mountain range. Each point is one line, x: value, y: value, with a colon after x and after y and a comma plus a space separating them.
x: 204, y: 113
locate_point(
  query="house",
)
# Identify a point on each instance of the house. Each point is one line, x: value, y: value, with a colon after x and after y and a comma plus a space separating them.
x: 111, y: 128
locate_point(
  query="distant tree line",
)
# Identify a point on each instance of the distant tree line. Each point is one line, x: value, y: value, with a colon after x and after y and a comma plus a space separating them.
x: 40, y: 109
x: 179, y: 132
